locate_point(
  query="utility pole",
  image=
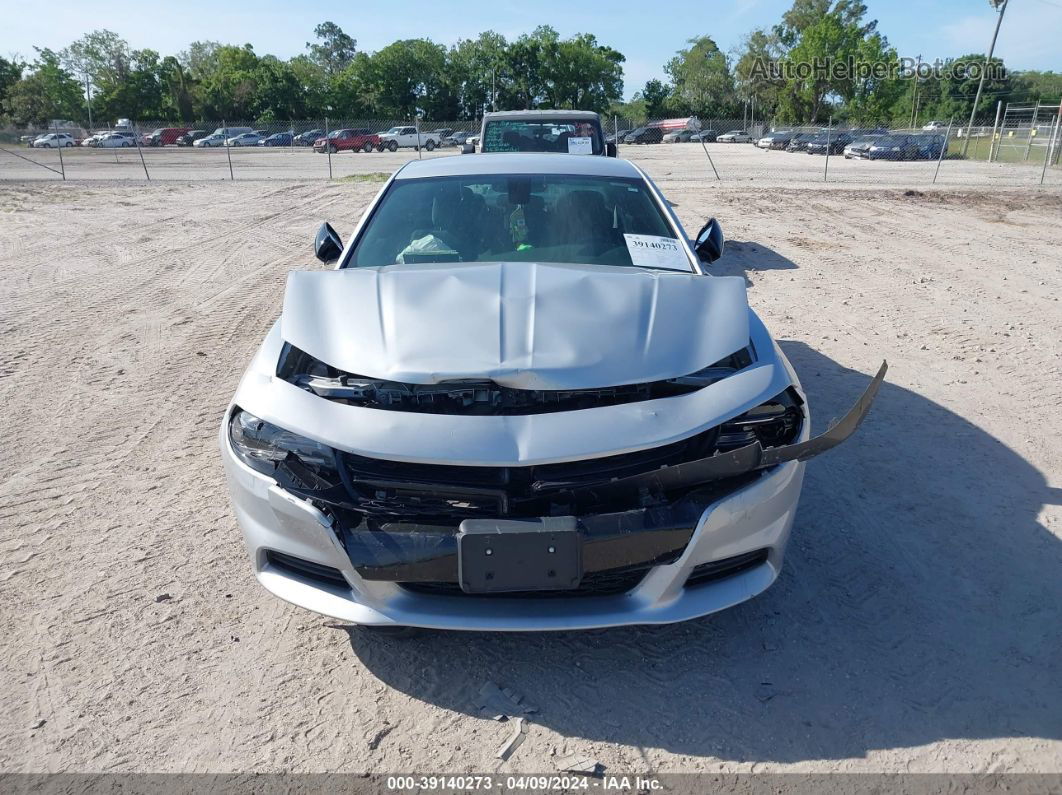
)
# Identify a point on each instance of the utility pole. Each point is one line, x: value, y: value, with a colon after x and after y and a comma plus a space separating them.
x: 914, y: 102
x: 1001, y: 7
x: 88, y: 99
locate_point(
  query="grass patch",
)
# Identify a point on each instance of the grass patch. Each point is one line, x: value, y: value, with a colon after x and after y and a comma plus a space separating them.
x: 372, y: 176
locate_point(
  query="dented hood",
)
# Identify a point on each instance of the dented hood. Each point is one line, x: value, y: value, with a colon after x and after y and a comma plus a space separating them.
x: 522, y: 325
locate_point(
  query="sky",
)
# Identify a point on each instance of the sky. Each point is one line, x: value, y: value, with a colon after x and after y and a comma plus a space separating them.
x: 646, y: 35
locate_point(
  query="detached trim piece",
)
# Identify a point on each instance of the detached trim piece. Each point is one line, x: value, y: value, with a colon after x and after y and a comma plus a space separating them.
x: 744, y: 459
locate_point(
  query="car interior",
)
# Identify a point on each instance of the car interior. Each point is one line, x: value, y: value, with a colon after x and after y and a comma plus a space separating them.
x: 511, y: 218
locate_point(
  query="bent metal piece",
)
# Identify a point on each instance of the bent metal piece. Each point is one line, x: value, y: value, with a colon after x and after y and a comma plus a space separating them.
x: 735, y: 462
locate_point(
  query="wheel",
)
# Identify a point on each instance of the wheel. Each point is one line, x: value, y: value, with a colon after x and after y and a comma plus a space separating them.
x: 379, y: 147
x: 127, y: 143
x: 392, y: 146
x: 429, y: 145
x: 68, y: 144
x: 366, y: 147
x: 331, y: 149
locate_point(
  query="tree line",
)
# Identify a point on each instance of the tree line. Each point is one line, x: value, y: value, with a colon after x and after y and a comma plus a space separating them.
x: 102, y: 75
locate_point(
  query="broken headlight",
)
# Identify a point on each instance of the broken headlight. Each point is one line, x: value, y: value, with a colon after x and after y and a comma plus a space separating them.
x: 772, y: 424
x: 292, y: 459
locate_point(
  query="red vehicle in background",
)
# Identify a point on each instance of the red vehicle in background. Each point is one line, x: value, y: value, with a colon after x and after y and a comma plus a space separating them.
x: 164, y: 136
x: 353, y: 139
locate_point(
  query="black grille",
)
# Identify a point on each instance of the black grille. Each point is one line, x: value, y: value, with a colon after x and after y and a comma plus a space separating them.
x: 306, y: 569
x: 727, y: 567
x: 597, y: 583
x: 438, y: 491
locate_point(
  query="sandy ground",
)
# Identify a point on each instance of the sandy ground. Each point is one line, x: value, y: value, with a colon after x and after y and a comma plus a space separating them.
x: 914, y: 628
x: 734, y: 163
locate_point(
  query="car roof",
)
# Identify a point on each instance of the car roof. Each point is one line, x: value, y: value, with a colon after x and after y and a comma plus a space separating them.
x: 587, y: 115
x: 497, y: 163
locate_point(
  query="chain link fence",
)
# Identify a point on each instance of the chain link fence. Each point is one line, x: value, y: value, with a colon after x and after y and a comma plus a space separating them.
x: 1020, y: 147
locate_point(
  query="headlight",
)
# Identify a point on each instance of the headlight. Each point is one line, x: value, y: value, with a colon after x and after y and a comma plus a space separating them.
x: 292, y: 460
x: 896, y: 149
x: 772, y: 424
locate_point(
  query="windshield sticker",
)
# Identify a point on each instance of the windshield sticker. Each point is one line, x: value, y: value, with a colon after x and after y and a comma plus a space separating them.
x: 579, y: 145
x: 652, y: 251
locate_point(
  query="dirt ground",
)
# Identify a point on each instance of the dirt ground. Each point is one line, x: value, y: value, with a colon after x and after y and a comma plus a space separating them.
x: 915, y: 626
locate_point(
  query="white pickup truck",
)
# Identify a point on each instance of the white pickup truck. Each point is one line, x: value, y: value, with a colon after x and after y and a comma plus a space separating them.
x: 399, y: 137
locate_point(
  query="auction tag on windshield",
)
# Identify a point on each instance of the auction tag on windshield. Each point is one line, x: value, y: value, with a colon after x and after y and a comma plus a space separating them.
x: 651, y: 251
x: 580, y: 145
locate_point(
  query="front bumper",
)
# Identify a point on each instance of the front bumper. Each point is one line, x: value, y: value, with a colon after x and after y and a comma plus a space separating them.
x: 756, y: 518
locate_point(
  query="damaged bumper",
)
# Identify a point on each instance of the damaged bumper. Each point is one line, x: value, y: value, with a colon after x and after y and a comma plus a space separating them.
x: 720, y: 541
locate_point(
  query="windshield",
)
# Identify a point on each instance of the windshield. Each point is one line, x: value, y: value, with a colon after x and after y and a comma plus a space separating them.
x: 519, y: 218
x: 890, y: 140
x: 542, y: 136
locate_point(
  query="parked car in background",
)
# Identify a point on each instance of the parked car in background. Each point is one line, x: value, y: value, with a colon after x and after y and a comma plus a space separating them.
x: 677, y: 137
x: 459, y: 137
x: 800, y: 141
x: 645, y: 135
x: 859, y: 146
x: 115, y: 140
x: 190, y: 137
x: 734, y: 137
x: 443, y: 134
x: 407, y: 137
x: 308, y: 137
x: 778, y: 139
x: 931, y: 147
x: 833, y: 142
x: 277, y: 139
x: 705, y: 136
x: 164, y: 136
x: 54, y: 141
x: 207, y: 141
x: 893, y: 147
x: 245, y: 139
x: 94, y: 139
x: 348, y: 139
x: 935, y: 125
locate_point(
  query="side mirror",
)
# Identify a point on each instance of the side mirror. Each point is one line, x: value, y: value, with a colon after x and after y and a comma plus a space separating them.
x: 709, y: 243
x: 327, y: 246
x: 610, y: 149
x: 468, y: 149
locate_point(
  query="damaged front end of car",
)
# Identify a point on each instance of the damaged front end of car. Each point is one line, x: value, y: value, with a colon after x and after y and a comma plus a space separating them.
x: 430, y: 480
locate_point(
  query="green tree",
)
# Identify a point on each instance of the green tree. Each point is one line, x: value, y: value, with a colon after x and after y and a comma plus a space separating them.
x: 178, y: 89
x: 48, y: 91
x: 702, y: 81
x: 407, y: 76
x: 10, y: 74
x: 335, y: 49
x: 477, y: 72
x: 138, y: 94
x: 230, y: 90
x: 655, y: 95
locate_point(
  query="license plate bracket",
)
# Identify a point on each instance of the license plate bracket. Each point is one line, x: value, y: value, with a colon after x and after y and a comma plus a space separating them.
x: 506, y: 555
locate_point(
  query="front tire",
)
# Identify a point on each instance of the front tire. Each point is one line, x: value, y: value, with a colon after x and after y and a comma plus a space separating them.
x: 392, y: 146
x: 331, y: 149
x: 366, y: 147
x: 429, y: 146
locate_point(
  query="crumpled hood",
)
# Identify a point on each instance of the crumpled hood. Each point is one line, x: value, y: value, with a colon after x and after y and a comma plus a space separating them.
x: 522, y: 325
